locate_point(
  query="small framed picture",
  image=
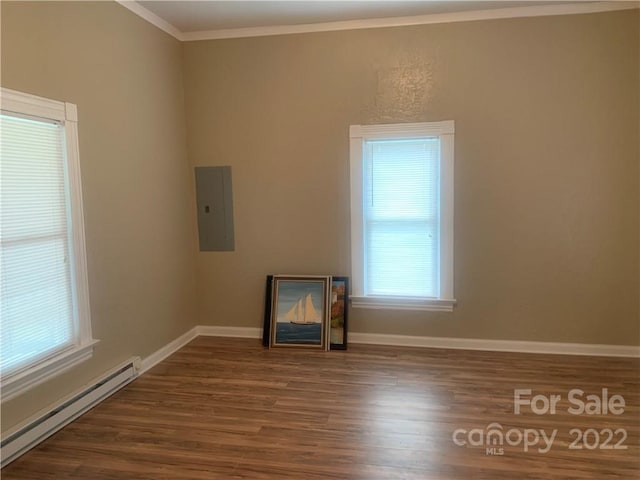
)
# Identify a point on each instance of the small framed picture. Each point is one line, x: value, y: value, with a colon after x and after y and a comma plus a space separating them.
x: 299, y: 311
x: 338, y: 315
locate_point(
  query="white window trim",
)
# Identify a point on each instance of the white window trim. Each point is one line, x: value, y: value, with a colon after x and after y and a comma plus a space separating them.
x: 358, y: 135
x: 45, y: 370
x: 18, y: 382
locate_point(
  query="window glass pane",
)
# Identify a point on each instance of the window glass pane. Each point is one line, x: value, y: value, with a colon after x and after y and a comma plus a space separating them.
x: 33, y: 178
x: 36, y: 296
x: 403, y: 179
x: 402, y: 259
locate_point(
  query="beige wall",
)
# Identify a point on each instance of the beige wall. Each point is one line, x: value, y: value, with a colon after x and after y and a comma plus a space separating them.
x: 125, y: 76
x: 546, y: 180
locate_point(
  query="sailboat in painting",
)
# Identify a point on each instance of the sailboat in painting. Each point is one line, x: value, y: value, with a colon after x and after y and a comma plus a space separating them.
x: 303, y: 312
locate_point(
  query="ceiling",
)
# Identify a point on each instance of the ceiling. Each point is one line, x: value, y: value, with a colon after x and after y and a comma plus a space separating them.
x: 194, y: 16
x: 193, y: 20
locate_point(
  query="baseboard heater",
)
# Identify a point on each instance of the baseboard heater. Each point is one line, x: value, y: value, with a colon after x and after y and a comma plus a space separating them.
x: 45, y: 425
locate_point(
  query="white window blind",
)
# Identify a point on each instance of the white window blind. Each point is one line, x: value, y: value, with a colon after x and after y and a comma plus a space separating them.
x: 45, y: 323
x: 401, y: 217
x: 37, y: 317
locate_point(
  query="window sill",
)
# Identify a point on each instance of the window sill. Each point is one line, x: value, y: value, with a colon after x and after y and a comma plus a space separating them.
x: 22, y: 381
x: 404, y: 303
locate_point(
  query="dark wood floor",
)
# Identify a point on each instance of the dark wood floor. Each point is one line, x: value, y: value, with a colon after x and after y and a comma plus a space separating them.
x: 228, y: 409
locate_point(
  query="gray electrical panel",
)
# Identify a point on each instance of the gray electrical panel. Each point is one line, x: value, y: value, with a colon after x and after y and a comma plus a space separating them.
x: 215, y: 208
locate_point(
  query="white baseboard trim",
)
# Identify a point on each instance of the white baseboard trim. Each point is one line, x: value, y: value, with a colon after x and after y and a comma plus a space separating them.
x: 517, y: 346
x: 200, y: 330
x: 219, y: 331
x: 169, y: 349
x: 497, y: 345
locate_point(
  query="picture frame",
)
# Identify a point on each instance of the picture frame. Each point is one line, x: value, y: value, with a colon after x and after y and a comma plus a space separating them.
x: 266, y: 324
x: 299, y: 311
x: 338, y: 324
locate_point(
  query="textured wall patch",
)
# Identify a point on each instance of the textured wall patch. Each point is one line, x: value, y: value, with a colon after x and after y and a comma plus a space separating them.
x: 402, y: 93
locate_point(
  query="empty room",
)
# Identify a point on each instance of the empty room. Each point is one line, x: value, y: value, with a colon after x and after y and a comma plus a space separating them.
x: 348, y: 240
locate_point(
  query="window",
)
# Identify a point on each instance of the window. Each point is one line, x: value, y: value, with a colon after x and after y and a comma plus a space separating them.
x: 402, y: 216
x: 44, y: 297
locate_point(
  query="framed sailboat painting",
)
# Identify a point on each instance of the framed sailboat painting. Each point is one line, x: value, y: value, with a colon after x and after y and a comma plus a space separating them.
x: 300, y: 311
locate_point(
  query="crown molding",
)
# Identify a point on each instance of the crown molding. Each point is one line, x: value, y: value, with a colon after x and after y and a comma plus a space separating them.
x: 498, y: 13
x: 152, y: 18
x: 470, y: 16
